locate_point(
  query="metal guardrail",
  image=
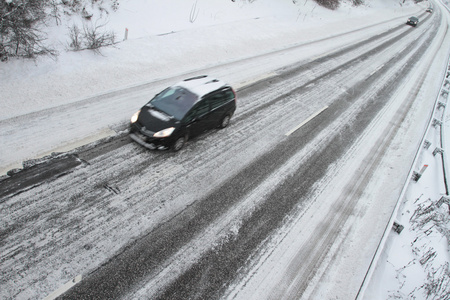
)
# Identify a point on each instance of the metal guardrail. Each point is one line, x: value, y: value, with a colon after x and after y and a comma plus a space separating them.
x: 443, y: 143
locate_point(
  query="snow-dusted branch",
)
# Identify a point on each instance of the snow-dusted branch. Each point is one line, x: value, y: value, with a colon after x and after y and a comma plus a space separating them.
x: 194, y: 13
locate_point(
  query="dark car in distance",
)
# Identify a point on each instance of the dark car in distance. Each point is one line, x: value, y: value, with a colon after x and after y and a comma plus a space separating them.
x: 429, y: 9
x: 183, y: 110
x: 413, y: 21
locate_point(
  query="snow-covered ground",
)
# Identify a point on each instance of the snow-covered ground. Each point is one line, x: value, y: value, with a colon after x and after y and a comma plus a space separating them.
x: 170, y: 39
x: 58, y: 96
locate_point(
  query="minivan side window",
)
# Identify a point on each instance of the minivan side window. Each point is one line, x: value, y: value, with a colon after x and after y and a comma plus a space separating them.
x: 198, y: 110
x: 202, y: 108
x: 216, y: 100
x: 220, y: 98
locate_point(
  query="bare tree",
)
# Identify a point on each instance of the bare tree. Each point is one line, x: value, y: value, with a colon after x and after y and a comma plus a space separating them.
x: 19, y: 33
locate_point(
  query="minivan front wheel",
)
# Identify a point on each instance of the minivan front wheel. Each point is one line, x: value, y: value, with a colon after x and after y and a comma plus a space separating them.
x: 225, y: 121
x: 179, y: 143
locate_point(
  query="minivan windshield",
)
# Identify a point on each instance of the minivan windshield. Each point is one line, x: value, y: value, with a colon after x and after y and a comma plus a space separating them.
x: 174, y: 101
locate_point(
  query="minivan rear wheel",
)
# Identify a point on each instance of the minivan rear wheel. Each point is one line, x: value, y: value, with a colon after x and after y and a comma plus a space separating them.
x: 225, y: 121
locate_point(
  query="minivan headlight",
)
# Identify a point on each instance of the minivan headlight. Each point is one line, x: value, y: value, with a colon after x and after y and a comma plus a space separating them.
x: 164, y: 133
x: 134, y: 118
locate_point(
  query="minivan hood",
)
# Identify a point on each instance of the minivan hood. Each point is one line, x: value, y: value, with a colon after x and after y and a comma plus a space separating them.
x: 155, y: 120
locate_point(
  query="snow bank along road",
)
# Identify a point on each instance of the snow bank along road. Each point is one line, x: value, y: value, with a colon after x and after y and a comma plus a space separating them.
x: 265, y: 208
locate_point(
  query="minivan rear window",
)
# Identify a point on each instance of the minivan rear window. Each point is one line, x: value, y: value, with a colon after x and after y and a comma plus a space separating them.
x: 174, y: 101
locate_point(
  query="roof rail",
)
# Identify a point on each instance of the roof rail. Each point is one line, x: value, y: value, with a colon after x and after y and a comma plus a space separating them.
x: 212, y: 81
x: 197, y: 77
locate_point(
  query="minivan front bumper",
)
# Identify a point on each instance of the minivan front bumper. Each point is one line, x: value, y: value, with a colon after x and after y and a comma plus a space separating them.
x: 138, y: 135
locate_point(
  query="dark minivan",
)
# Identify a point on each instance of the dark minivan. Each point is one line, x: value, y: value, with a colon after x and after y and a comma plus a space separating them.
x: 413, y: 21
x: 183, y: 110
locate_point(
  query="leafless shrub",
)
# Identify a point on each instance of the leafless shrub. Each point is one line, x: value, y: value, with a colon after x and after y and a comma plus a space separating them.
x: 427, y: 256
x: 92, y: 37
x: 76, y: 38
x: 115, y: 5
x: 21, y: 22
x: 73, y: 5
x: 95, y: 37
x: 424, y: 214
x: 55, y: 11
x: 330, y: 4
x: 438, y: 283
x: 428, y: 218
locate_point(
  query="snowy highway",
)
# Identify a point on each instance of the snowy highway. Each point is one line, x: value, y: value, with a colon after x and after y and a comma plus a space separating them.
x: 319, y: 148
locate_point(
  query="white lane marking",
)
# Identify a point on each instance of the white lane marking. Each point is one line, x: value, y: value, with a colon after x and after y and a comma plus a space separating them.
x: 307, y: 120
x: 61, y: 290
